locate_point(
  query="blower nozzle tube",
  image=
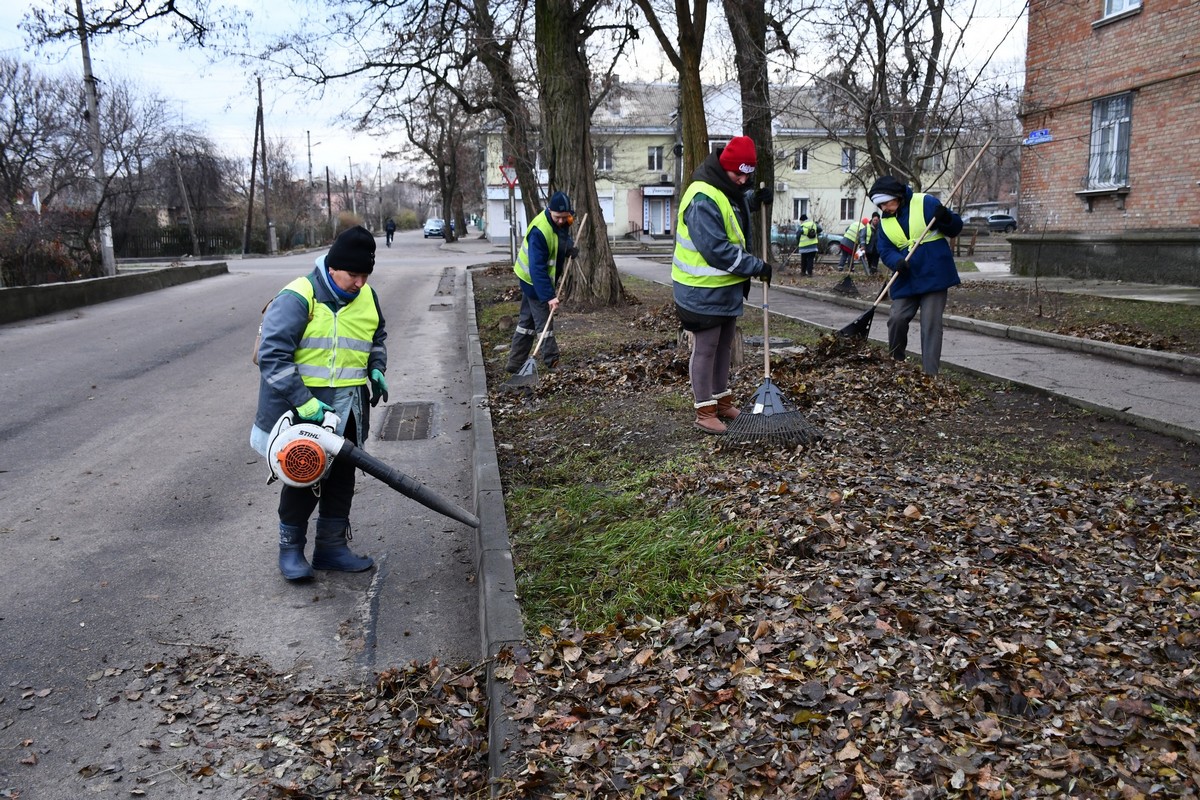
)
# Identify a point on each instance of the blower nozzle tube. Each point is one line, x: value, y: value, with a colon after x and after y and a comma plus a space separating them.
x: 405, y: 485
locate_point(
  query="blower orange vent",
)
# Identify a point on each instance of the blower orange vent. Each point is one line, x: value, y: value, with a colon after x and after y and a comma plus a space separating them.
x: 302, y: 461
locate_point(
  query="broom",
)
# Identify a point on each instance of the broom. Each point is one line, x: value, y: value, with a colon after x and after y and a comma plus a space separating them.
x: 861, y: 327
x: 770, y: 417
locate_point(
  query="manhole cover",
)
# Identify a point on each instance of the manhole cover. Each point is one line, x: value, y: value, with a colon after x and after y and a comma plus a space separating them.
x: 406, y: 422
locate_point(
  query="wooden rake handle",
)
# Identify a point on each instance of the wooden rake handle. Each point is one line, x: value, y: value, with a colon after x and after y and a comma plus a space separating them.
x: 542, y: 338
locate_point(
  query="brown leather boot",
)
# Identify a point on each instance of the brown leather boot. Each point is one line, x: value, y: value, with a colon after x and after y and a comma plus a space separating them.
x: 706, y: 418
x: 725, y: 407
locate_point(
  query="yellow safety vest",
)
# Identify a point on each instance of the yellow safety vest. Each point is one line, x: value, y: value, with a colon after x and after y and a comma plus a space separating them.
x: 521, y: 265
x: 336, y: 345
x: 852, y: 232
x: 916, y: 224
x: 688, y: 265
x: 808, y: 235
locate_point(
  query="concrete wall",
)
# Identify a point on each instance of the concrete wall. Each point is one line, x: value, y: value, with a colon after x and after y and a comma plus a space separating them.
x: 24, y: 302
x: 1147, y: 256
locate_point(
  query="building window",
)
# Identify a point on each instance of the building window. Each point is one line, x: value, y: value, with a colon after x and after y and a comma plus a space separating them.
x: 604, y: 158
x: 654, y: 159
x: 1108, y: 164
x: 1114, y: 7
x: 848, y: 208
x: 849, y: 159
x: 800, y: 159
x: 799, y: 207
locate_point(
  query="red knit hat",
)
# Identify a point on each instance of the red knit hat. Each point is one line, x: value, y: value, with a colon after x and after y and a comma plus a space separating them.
x: 739, y: 155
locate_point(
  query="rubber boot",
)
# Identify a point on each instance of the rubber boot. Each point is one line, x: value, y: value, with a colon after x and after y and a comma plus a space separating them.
x: 725, y: 407
x: 332, y: 551
x: 706, y: 418
x: 291, y: 553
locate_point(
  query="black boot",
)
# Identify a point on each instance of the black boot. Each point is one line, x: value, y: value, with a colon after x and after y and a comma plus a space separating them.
x: 291, y: 553
x: 332, y: 551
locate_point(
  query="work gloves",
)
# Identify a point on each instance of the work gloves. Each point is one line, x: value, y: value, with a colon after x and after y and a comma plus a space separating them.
x: 942, y: 217
x: 573, y: 252
x: 762, y: 198
x: 313, y: 410
x: 378, y: 387
x: 765, y: 274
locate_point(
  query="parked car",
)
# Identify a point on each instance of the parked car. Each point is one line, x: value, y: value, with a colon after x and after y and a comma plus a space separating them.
x: 783, y: 237
x: 435, y: 228
x: 1001, y: 223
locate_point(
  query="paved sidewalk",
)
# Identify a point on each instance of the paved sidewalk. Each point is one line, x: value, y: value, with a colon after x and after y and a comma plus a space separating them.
x: 1156, y: 391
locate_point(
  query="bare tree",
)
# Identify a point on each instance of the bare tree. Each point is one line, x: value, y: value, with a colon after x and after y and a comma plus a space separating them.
x: 690, y: 18
x: 561, y: 33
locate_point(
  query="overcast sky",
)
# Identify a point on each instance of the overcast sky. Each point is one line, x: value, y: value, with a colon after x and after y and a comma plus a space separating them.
x: 221, y: 98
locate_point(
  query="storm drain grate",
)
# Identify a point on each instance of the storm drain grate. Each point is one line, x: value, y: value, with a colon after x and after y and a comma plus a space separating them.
x: 406, y: 422
x: 446, y: 282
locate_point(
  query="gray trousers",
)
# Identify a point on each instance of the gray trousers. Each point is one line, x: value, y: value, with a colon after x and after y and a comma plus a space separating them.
x: 931, y: 305
x: 712, y: 355
x: 529, y: 326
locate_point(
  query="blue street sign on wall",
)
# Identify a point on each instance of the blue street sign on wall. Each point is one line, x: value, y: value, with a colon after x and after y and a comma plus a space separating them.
x: 1038, y: 137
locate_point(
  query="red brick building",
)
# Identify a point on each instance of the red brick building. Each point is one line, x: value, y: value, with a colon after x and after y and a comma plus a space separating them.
x: 1110, y: 174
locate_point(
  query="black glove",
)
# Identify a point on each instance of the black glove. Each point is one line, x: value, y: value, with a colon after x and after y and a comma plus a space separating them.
x: 572, y: 252
x: 942, y: 217
x: 765, y: 274
x: 902, y: 270
x: 764, y: 197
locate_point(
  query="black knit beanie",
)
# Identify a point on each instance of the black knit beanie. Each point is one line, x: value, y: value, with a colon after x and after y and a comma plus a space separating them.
x: 886, y: 187
x: 353, y: 251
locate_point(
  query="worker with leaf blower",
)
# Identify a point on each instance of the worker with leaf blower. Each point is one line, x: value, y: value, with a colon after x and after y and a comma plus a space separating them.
x: 711, y: 270
x: 323, y: 348
x: 546, y: 248
x: 924, y: 279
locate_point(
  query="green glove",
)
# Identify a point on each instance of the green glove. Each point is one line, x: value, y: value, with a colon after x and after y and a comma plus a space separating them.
x: 378, y: 387
x: 313, y: 410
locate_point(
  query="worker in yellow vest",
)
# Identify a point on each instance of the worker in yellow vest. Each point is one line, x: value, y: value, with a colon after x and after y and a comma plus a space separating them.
x: 323, y: 348
x: 544, y: 251
x: 924, y: 279
x: 711, y: 270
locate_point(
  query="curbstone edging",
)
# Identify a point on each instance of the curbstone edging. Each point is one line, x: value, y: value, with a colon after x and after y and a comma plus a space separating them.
x: 500, y: 622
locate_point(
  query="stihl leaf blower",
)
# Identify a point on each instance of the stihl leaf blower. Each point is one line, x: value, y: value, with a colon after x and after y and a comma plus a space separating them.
x: 300, y: 454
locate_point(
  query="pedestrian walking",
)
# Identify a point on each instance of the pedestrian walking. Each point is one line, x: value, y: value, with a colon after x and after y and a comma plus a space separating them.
x: 546, y: 247
x: 711, y: 270
x: 852, y: 241
x: 389, y: 228
x: 923, y: 280
x: 807, y: 242
x: 323, y: 344
x: 872, y: 246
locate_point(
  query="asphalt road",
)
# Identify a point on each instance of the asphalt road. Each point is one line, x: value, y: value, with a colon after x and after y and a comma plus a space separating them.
x: 135, y: 521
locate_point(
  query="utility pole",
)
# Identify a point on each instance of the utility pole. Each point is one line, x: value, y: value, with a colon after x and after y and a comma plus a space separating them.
x: 352, y: 187
x: 187, y: 205
x: 329, y: 205
x: 308, y: 206
x: 379, y: 189
x: 107, y: 259
x: 266, y: 178
x: 253, y: 179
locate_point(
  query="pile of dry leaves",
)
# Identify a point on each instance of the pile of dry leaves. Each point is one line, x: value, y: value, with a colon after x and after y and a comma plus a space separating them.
x: 922, y: 630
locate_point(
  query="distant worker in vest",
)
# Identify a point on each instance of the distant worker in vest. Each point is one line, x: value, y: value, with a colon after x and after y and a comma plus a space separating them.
x: 711, y: 270
x: 873, y: 235
x: 539, y: 266
x: 323, y: 349
x: 389, y: 228
x: 923, y: 281
x: 808, y: 237
x: 853, y: 244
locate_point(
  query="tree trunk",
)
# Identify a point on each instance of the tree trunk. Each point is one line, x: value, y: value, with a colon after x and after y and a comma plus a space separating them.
x: 566, y: 137
x: 748, y: 24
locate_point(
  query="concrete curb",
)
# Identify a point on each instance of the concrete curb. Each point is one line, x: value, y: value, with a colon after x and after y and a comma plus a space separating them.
x: 1187, y: 365
x: 500, y: 623
x: 24, y: 302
